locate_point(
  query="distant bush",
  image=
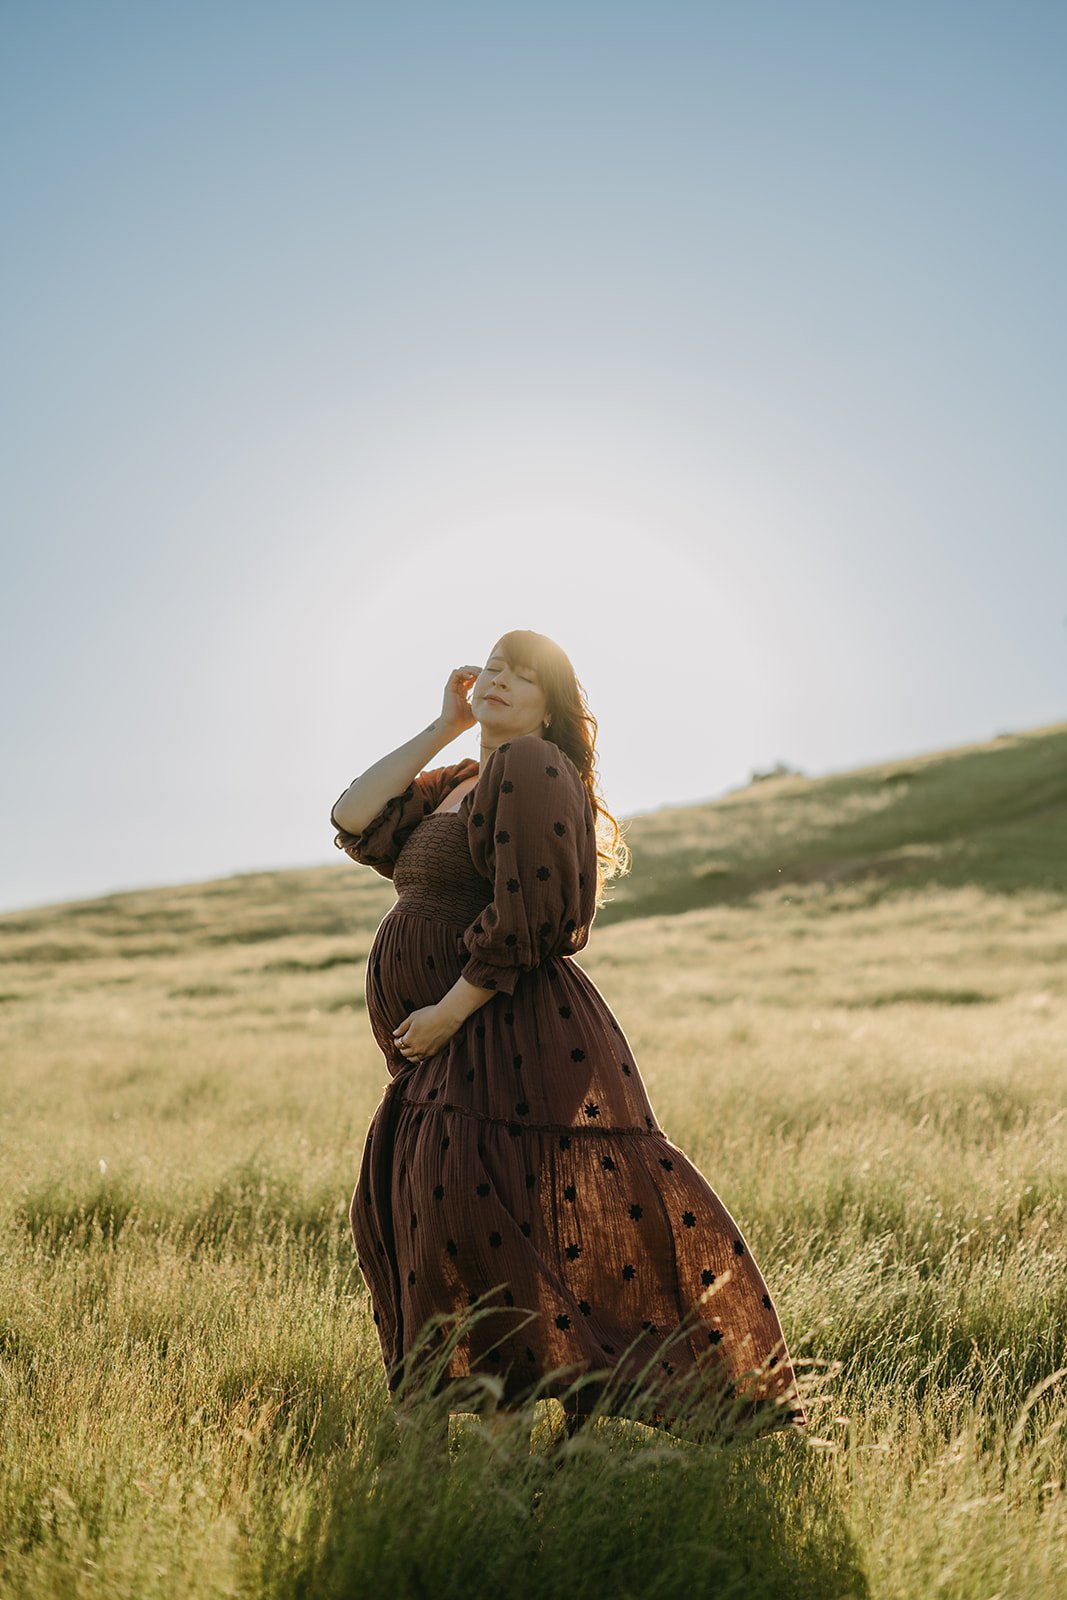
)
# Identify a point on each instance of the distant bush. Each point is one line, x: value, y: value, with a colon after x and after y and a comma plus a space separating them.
x: 781, y: 769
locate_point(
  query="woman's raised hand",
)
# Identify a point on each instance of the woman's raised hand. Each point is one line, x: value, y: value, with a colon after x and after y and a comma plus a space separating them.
x: 455, y: 707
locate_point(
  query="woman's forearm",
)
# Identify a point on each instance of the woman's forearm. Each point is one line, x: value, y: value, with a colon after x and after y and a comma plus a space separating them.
x: 463, y: 999
x: 367, y: 794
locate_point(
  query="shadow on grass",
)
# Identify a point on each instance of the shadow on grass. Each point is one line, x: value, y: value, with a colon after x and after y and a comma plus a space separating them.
x: 512, y: 1506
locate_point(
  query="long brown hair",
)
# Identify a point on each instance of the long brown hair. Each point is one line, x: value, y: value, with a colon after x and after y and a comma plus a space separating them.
x: 573, y: 728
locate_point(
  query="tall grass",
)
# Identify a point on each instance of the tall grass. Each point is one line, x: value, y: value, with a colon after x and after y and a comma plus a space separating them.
x: 191, y: 1394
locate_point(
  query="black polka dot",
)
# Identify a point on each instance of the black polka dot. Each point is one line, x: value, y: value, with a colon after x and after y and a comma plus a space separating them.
x: 584, y: 1307
x: 715, y: 1336
x: 502, y: 836
x: 553, y: 772
x: 514, y: 1129
x: 544, y: 873
x: 560, y: 828
x: 503, y: 747
x: 431, y: 1094
x: 470, y: 1075
x: 577, y: 1055
x: 581, y: 880
x: 482, y: 1189
x: 564, y: 1141
x: 522, y: 1109
x: 509, y: 1017
x: 478, y: 819
x: 739, y: 1248
x: 411, y: 1277
x: 629, y: 1272
x: 514, y: 885
x: 439, y: 1191
x: 707, y: 1276
x: 592, y: 1109
x: 569, y: 925
x: 480, y: 1031
x: 414, y: 1219
x: 649, y: 1124
x: 530, y: 1180
x: 507, y: 786
x: 495, y: 1240
x: 376, y: 1317
x: 490, y: 983
x: 430, y: 962
x: 509, y: 1298
x: 625, y: 1068
x: 608, y: 1164
x: 767, y: 1301
x: 664, y: 1162
x: 689, y: 1219
x: 649, y: 1327
x: 636, y: 1212
x: 570, y: 1192
x: 572, y: 1252
x: 529, y: 1354
x: 525, y: 1229
x: 564, y: 1011
x: 511, y: 939
x: 563, y: 1321
x: 608, y: 1349
x: 667, y: 1367
x: 544, y: 930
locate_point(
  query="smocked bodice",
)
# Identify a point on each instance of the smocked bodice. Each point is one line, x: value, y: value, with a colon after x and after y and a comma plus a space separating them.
x: 434, y: 874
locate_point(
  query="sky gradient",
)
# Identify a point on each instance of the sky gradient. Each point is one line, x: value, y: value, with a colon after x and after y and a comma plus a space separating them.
x: 724, y: 344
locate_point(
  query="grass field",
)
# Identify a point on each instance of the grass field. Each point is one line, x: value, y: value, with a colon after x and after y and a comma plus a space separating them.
x: 848, y: 999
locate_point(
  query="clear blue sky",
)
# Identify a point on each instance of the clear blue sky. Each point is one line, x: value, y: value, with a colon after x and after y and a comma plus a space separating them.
x: 723, y: 343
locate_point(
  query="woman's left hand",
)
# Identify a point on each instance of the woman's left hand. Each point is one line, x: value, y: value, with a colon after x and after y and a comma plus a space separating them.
x: 422, y: 1033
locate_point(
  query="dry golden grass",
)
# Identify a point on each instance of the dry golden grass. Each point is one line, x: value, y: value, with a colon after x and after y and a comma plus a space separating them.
x: 868, y: 1066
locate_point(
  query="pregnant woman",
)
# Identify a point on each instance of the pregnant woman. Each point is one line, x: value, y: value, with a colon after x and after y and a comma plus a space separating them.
x: 515, y: 1162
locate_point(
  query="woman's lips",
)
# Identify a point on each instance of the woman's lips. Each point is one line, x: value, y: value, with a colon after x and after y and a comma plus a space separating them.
x: 497, y: 698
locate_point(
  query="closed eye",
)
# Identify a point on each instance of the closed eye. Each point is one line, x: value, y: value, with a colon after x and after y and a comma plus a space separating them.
x: 527, y: 676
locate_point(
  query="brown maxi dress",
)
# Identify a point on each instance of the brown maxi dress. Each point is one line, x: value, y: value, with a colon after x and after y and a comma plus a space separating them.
x: 521, y: 1167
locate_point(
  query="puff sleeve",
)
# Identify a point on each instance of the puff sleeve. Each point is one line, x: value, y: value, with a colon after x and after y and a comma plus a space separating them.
x: 531, y: 833
x: 382, y: 840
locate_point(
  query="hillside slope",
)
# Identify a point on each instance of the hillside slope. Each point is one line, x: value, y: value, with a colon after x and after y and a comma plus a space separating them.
x: 992, y: 815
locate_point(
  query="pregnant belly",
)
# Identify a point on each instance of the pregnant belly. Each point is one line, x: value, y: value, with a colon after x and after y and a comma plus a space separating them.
x: 413, y: 962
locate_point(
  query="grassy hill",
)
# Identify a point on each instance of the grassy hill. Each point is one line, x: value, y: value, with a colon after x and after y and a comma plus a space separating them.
x: 848, y: 1000
x: 992, y: 815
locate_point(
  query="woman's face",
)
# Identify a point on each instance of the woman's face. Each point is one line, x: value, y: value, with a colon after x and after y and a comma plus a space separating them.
x: 506, y: 700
